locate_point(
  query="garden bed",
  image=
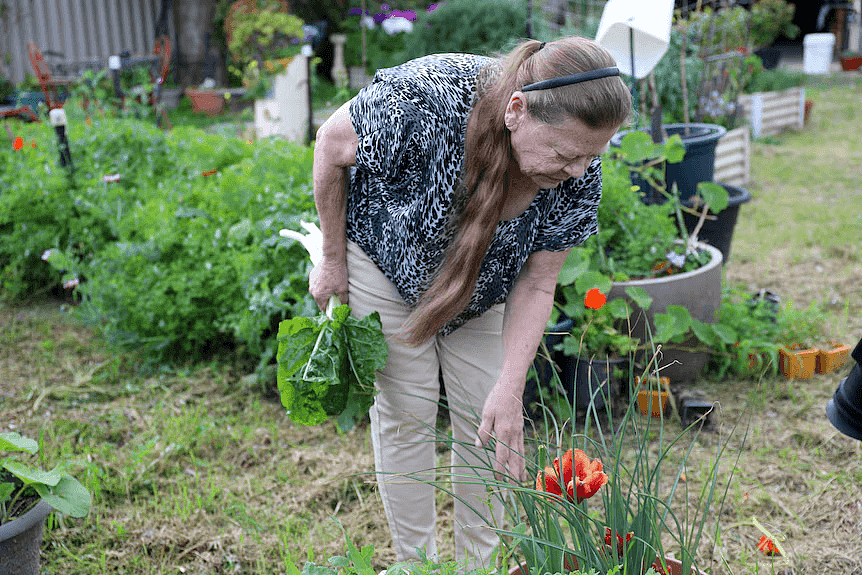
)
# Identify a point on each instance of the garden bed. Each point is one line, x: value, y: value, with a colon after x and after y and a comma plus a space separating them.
x: 196, y: 469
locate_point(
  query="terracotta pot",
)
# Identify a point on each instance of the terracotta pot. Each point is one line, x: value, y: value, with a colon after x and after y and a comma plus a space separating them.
x: 831, y: 359
x: 849, y: 63
x: 210, y: 102
x: 796, y: 362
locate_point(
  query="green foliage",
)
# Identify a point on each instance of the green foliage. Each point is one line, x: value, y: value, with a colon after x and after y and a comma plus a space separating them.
x: 169, y: 261
x: 774, y: 80
x: 467, y: 26
x: 382, y: 50
x: 770, y: 19
x: 635, y: 238
x: 17, y: 479
x: 601, y: 332
x: 326, y: 366
x: 259, y: 33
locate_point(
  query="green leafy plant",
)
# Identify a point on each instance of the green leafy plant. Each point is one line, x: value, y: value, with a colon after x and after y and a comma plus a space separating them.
x: 771, y: 19
x: 169, y: 240
x: 467, y: 26
x: 635, y: 239
x: 326, y: 366
x: 600, y: 329
x: 260, y: 35
x: 20, y: 481
x: 611, y: 496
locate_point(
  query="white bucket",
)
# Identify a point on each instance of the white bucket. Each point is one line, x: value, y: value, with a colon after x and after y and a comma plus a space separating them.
x: 817, y: 53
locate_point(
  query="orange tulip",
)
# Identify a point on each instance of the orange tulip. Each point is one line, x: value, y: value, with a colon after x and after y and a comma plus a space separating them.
x: 581, y: 477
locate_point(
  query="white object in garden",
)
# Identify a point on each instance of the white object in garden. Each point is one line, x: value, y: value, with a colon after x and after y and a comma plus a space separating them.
x: 339, y: 71
x: 114, y: 62
x: 817, y: 52
x: 57, y: 117
x: 285, y: 112
x: 396, y: 25
x: 646, y: 24
x: 313, y: 243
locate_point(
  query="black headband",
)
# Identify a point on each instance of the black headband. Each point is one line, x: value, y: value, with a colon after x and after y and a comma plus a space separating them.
x: 572, y: 79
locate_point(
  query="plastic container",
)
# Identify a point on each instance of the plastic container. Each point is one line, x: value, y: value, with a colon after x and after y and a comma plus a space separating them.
x: 817, y: 52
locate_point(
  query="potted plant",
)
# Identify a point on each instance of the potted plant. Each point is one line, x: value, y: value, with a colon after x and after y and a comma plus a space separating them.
x: 605, y: 501
x: 263, y: 37
x: 646, y: 245
x: 769, y: 20
x: 588, y: 337
x: 27, y: 496
x: 851, y: 60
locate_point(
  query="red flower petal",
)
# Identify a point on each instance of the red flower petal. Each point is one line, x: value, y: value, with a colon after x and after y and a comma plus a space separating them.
x: 594, y: 299
x: 767, y: 546
x: 547, y: 481
x: 19, y: 143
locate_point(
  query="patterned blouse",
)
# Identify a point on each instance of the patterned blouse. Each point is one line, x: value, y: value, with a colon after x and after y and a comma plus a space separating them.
x: 411, y: 122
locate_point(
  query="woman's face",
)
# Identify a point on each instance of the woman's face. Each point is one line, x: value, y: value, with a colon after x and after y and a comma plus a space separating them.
x: 550, y: 154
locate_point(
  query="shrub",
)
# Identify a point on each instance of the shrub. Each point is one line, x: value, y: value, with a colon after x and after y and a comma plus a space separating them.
x: 180, y: 255
x: 468, y: 26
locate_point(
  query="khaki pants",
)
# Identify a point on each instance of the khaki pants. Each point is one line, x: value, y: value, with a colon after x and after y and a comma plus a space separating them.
x: 404, y: 415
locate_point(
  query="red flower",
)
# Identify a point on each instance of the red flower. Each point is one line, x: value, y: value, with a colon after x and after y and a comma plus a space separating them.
x: 581, y: 480
x: 594, y: 299
x: 620, y: 543
x: 19, y: 143
x: 767, y: 546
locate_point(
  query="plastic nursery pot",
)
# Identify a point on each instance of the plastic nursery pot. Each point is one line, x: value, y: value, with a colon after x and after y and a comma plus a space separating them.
x: 652, y: 402
x: 796, y: 362
x: 20, y: 541
x: 829, y: 360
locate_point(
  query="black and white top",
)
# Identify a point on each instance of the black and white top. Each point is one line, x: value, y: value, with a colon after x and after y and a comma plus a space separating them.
x: 411, y: 122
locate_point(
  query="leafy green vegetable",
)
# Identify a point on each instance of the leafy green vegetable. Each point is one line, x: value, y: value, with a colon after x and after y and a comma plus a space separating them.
x: 326, y: 366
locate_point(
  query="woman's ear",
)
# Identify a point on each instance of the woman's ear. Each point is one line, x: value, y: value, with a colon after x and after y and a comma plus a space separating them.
x: 516, y: 110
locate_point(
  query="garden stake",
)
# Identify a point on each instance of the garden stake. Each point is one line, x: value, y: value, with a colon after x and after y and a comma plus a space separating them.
x: 58, y: 120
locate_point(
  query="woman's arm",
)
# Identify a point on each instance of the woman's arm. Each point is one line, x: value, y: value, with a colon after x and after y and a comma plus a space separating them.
x: 334, y: 151
x: 528, y: 308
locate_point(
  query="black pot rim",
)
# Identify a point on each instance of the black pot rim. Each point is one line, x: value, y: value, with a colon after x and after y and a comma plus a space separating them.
x: 704, y: 133
x: 736, y: 196
x: 33, y: 517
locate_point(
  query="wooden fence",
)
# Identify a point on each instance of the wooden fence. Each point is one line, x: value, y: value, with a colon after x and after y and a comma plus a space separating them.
x: 770, y: 113
x: 733, y: 157
x: 79, y: 30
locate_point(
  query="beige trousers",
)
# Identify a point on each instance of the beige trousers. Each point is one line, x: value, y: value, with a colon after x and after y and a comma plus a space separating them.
x: 404, y: 416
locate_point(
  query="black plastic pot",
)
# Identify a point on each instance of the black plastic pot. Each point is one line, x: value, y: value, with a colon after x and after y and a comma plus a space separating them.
x: 718, y: 232
x: 698, y: 165
x: 769, y: 56
x: 845, y: 408
x: 583, y: 379
x: 20, y: 541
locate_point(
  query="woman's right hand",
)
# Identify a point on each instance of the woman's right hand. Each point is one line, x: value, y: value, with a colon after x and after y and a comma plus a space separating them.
x: 328, y: 278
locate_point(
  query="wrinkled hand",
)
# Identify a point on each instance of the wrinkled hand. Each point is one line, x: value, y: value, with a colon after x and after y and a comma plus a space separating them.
x: 503, y: 419
x: 328, y: 278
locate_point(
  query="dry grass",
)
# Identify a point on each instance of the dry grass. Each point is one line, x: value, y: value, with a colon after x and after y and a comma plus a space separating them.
x: 196, y: 471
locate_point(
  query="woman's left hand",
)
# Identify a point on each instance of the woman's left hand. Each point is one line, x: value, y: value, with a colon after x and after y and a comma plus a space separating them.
x: 503, y: 419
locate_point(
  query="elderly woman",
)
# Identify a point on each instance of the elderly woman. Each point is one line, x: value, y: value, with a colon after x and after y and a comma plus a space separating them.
x: 450, y: 191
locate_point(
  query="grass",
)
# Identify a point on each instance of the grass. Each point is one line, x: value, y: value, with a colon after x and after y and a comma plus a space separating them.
x: 196, y: 469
